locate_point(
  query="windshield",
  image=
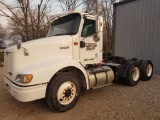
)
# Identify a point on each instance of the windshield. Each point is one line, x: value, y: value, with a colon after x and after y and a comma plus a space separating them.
x: 67, y: 25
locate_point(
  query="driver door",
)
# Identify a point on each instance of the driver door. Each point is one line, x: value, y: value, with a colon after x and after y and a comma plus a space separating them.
x: 89, y: 51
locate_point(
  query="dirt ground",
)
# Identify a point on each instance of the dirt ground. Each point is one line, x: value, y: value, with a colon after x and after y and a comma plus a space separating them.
x: 114, y: 102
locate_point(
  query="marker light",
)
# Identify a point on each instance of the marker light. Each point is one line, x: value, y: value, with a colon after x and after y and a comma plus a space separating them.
x: 100, y: 24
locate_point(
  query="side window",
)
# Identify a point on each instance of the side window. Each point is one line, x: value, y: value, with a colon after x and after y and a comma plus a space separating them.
x: 89, y: 28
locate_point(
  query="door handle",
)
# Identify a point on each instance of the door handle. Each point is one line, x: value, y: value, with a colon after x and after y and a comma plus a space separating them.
x: 82, y: 44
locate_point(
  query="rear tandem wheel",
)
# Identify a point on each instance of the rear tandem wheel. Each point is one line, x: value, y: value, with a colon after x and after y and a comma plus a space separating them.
x: 146, y: 70
x: 133, y: 74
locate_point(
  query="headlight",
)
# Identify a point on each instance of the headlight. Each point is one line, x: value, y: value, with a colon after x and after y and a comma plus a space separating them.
x: 24, y: 78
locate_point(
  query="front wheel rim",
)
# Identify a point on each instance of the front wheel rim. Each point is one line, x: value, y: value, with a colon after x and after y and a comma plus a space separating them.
x: 66, y: 93
x: 136, y: 74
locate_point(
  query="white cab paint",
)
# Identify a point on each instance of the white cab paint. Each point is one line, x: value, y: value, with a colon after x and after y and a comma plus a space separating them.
x: 46, y: 57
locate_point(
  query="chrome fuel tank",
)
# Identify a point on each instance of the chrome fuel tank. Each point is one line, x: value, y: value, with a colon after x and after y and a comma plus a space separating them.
x: 100, y: 76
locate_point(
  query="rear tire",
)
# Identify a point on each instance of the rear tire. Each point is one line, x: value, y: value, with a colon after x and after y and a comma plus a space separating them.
x: 63, y: 92
x: 146, y: 70
x: 132, y: 74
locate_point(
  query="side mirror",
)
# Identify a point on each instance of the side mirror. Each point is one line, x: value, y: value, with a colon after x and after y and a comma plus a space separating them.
x: 82, y: 44
x: 96, y: 36
x: 19, y: 44
x: 97, y: 25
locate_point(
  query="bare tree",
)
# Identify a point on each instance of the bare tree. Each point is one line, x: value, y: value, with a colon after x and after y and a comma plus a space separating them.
x: 27, y: 18
x: 105, y: 9
x: 91, y: 6
x: 68, y: 5
x: 107, y: 13
x: 2, y: 32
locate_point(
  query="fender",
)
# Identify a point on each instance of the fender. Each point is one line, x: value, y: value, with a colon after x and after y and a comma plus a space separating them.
x: 43, y: 71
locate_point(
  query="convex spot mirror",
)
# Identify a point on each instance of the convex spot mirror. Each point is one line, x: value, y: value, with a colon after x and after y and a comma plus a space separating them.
x: 96, y: 37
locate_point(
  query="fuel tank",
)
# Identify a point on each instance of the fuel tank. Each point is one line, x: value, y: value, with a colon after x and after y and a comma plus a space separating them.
x: 99, y: 76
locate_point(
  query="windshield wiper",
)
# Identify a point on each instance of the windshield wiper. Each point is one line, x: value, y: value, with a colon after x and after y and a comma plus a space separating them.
x: 61, y: 34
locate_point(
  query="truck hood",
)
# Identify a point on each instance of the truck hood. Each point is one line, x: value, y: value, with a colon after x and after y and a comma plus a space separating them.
x: 43, y: 42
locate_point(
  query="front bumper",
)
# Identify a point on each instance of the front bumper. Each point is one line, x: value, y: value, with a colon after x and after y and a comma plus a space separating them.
x: 25, y: 94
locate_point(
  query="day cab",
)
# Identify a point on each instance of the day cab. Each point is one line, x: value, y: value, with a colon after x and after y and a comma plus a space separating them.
x: 70, y: 57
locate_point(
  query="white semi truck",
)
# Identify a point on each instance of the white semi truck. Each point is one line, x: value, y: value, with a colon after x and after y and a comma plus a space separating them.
x: 69, y: 58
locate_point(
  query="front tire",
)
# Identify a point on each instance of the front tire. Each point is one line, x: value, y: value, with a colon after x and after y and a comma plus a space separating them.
x: 132, y: 74
x: 63, y: 92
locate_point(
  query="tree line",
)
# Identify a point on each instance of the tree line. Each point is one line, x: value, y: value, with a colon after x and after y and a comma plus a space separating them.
x: 30, y: 19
